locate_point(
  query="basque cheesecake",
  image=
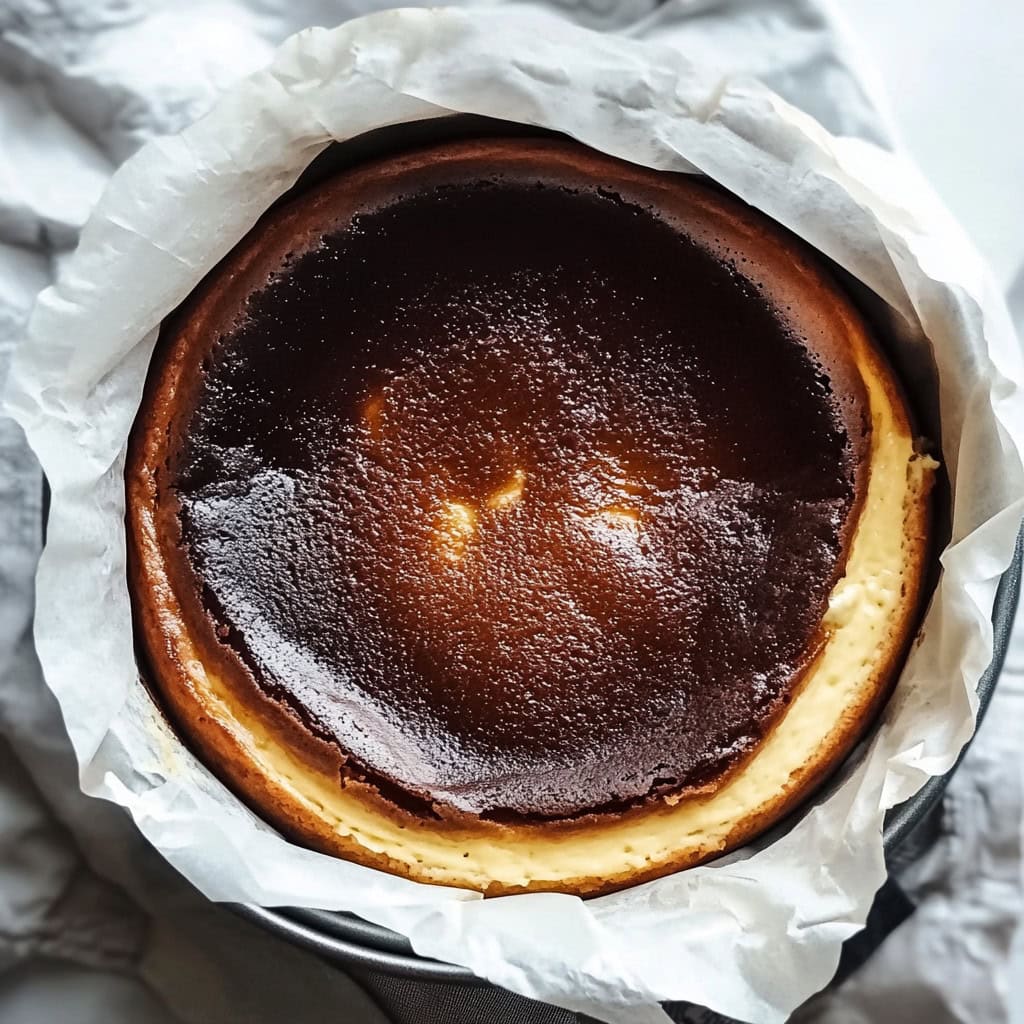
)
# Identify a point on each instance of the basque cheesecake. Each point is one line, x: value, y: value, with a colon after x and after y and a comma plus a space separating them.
x: 504, y: 515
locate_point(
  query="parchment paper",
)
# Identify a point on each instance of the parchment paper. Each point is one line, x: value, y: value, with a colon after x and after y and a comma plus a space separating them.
x: 751, y: 935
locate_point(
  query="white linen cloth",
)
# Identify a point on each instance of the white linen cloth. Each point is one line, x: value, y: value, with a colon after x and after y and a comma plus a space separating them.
x: 81, y: 86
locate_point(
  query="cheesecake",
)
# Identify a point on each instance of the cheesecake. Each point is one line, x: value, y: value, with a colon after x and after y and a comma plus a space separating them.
x: 507, y: 516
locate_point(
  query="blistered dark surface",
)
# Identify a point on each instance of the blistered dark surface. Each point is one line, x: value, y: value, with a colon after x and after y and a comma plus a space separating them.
x: 527, y: 500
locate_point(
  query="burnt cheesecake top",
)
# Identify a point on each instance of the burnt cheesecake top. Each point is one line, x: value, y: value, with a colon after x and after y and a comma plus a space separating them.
x: 524, y: 482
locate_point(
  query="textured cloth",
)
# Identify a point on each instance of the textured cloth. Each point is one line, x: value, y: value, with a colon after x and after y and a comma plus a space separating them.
x: 93, y: 925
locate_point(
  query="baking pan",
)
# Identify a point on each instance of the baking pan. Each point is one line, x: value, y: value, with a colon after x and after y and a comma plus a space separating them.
x: 350, y: 941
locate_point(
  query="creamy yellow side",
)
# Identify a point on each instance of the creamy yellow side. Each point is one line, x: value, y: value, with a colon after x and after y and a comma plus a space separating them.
x: 862, y: 609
